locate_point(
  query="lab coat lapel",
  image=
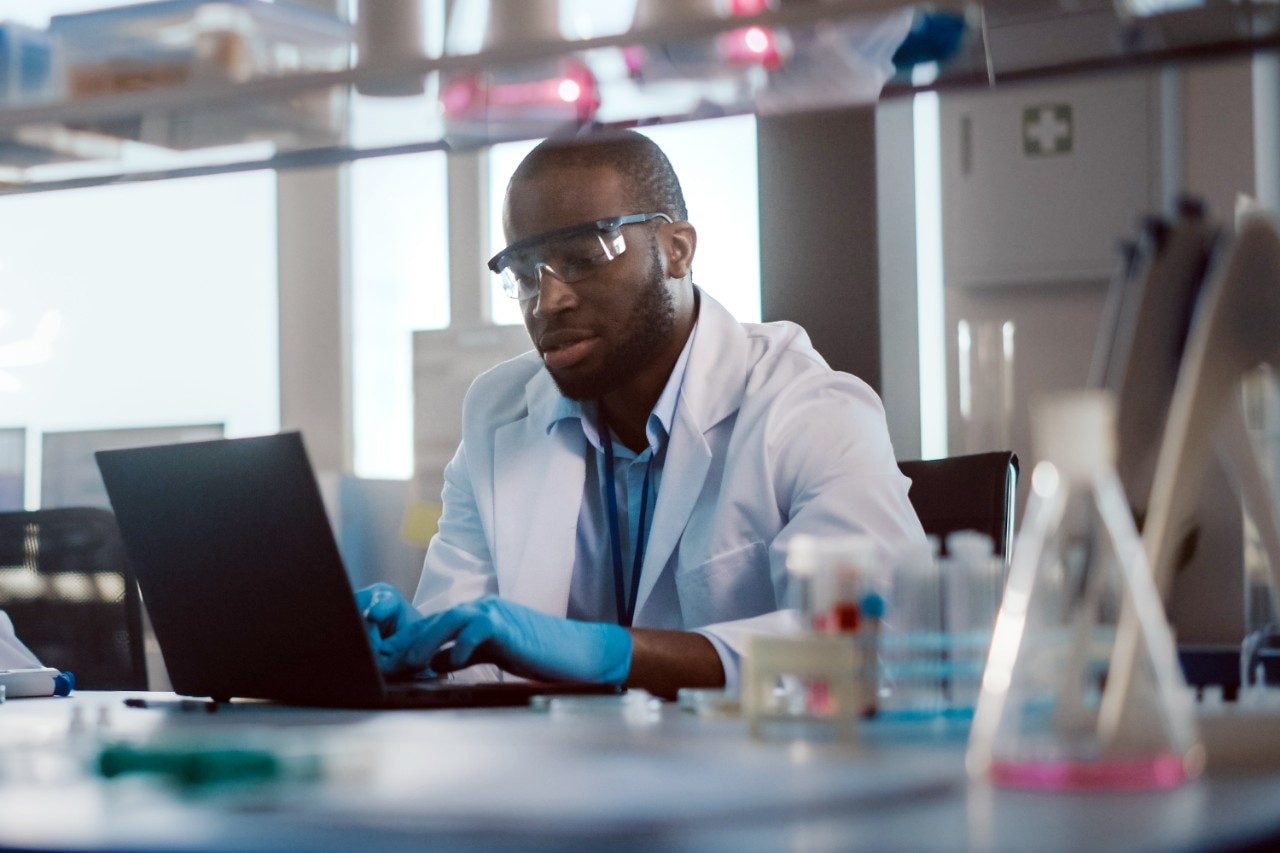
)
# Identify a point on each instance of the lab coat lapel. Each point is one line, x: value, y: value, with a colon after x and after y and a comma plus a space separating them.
x: 538, y: 480
x: 683, y: 472
x: 712, y: 390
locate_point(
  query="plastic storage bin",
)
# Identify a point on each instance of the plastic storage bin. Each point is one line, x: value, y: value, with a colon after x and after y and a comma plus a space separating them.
x: 28, y: 75
x: 180, y: 42
x: 191, y: 43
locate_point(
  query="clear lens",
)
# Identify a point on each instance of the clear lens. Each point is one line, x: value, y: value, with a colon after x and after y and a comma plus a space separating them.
x: 570, y: 259
x: 510, y: 283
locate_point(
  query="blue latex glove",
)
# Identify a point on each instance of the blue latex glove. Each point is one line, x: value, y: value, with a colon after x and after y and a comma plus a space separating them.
x: 386, y: 613
x: 521, y: 641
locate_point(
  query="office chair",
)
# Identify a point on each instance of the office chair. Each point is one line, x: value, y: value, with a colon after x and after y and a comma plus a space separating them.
x: 966, y: 493
x: 66, y: 585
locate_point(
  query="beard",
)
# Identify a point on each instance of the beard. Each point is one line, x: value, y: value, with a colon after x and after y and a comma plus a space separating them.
x: 651, y: 324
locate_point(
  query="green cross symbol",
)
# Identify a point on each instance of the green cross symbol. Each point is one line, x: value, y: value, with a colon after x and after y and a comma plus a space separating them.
x: 1047, y: 130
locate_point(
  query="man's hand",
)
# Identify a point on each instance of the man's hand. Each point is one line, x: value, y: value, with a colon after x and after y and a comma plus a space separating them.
x: 387, y: 613
x: 521, y: 641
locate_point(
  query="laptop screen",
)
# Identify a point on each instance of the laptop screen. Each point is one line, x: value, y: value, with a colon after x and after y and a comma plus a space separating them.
x: 240, y: 572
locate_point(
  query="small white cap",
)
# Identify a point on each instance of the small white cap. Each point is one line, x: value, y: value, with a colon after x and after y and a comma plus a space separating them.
x: 809, y: 555
x: 1076, y: 431
x: 911, y: 555
x: 970, y: 545
x: 918, y: 552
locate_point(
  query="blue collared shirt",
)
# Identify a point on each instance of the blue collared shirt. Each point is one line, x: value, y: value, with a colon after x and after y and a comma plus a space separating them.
x: 591, y: 592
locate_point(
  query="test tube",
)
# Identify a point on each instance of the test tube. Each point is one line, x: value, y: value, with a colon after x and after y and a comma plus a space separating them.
x: 830, y: 574
x: 973, y: 581
x: 802, y: 565
x: 913, y: 648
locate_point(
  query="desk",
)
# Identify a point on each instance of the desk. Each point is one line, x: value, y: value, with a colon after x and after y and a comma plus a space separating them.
x: 507, y: 779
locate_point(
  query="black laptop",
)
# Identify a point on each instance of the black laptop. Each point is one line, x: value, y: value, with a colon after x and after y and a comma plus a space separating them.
x: 245, y: 586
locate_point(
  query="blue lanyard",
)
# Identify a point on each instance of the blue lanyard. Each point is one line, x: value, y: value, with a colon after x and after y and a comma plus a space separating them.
x: 626, y: 608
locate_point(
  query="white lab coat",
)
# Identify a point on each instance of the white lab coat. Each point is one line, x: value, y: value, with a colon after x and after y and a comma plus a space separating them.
x: 767, y: 442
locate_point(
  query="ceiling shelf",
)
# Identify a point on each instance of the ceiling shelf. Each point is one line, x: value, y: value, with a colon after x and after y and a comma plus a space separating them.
x: 803, y: 56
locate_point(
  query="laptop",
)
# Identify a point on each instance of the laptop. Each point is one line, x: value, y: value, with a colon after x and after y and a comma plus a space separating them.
x: 245, y: 587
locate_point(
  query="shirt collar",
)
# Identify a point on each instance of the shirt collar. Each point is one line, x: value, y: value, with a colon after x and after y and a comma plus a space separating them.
x: 657, y: 428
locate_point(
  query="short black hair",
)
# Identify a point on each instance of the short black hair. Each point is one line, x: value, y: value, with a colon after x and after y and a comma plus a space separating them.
x: 651, y: 183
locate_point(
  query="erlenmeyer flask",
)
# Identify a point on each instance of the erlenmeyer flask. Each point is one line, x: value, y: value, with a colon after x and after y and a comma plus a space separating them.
x: 1082, y: 687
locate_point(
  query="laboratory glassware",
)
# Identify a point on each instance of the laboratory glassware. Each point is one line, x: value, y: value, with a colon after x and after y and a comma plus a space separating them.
x: 1261, y: 597
x: 1082, y: 688
x: 815, y: 683
x: 972, y: 583
x: 913, y: 645
x: 985, y: 353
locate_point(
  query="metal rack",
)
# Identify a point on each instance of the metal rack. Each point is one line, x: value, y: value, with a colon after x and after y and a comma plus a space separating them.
x: 1006, y: 41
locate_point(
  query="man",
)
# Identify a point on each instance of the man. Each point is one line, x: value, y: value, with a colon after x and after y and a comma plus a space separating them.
x: 619, y: 506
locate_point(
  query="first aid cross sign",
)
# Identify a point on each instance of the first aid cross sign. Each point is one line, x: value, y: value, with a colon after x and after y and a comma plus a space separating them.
x: 1047, y: 130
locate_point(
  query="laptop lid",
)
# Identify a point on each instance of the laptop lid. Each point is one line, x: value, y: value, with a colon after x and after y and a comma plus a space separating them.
x: 240, y: 572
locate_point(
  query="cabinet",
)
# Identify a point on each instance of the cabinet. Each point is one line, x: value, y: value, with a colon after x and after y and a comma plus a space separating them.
x: 1039, y: 179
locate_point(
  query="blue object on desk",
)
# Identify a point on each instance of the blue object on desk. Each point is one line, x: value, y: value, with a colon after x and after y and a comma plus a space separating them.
x: 36, y: 682
x: 64, y: 683
x: 194, y: 765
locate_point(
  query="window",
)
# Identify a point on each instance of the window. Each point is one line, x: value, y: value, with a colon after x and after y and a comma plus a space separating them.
x: 399, y: 273
x: 503, y: 160
x: 716, y: 163
x: 399, y: 283
x: 139, y: 305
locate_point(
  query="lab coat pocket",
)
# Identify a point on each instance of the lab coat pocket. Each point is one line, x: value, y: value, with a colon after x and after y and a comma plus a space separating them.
x: 733, y: 585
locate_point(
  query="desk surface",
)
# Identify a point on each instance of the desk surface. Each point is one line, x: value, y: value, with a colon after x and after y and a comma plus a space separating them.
x: 525, y: 779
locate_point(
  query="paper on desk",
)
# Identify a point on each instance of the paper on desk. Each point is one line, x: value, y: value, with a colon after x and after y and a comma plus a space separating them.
x: 13, y: 654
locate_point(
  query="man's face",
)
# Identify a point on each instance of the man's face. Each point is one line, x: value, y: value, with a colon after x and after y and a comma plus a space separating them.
x: 597, y: 333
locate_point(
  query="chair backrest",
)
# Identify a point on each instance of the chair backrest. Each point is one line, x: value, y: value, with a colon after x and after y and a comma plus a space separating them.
x: 65, y: 583
x: 966, y: 493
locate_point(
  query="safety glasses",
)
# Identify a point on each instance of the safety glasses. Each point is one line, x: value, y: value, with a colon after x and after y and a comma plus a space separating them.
x: 570, y: 254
